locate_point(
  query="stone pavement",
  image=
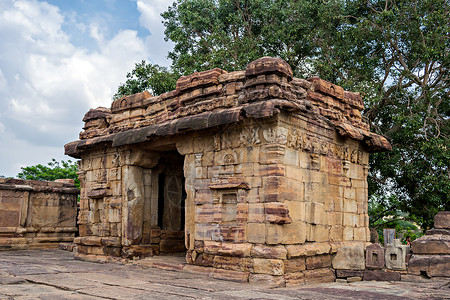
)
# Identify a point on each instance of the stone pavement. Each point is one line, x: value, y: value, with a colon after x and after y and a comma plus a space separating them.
x: 55, y: 274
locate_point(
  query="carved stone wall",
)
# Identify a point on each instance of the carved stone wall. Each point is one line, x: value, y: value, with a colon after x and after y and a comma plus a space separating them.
x: 260, y: 173
x: 37, y: 214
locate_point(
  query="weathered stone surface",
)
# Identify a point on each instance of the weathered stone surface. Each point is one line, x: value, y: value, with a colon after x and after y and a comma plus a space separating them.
x: 438, y: 231
x: 349, y: 258
x: 429, y: 265
x: 267, y: 280
x: 318, y: 261
x: 374, y: 256
x: 442, y: 220
x: 268, y: 266
x: 308, y: 249
x: 294, y: 265
x: 245, y: 171
x: 264, y: 251
x: 381, y: 276
x: 265, y: 65
x: 349, y: 273
x: 37, y: 214
x: 432, y: 244
x: 319, y: 275
x: 395, y: 255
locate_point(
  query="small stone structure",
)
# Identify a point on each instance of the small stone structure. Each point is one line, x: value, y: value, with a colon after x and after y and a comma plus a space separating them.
x: 254, y: 172
x: 37, y: 214
x: 431, y: 252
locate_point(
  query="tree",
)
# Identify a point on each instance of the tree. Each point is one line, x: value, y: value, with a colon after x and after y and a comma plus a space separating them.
x: 231, y: 33
x: 52, y: 171
x: 146, y: 76
x: 397, y: 53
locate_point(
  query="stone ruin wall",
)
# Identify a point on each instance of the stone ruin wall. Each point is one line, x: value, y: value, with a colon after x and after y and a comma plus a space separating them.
x: 274, y: 168
x: 37, y: 214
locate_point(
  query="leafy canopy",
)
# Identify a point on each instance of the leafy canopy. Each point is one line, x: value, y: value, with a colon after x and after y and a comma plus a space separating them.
x: 52, y: 171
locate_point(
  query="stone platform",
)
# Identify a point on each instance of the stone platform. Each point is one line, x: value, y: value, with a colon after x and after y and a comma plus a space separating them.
x: 55, y: 274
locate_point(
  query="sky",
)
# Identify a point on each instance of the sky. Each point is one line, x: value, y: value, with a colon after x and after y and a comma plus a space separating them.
x: 58, y: 59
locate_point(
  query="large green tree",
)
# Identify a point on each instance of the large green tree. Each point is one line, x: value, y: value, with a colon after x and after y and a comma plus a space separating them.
x: 396, y: 52
x: 52, y: 171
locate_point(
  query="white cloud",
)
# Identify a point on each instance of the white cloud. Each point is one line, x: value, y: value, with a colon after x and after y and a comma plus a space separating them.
x: 151, y: 19
x: 47, y: 84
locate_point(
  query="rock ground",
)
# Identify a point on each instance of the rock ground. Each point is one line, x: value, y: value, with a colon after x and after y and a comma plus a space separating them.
x: 55, y: 274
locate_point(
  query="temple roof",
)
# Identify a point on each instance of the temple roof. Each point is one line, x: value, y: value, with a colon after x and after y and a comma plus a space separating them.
x: 215, y: 97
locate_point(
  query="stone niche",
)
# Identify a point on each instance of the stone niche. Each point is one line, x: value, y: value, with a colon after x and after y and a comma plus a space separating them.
x: 37, y: 214
x: 253, y: 171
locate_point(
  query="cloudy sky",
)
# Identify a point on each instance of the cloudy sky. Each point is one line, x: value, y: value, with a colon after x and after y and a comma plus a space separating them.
x: 58, y: 59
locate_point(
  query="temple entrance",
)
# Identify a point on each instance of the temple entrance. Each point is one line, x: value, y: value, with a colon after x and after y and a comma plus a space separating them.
x: 171, y: 197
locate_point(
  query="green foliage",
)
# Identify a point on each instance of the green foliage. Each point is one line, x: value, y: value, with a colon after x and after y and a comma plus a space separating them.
x: 384, y: 212
x: 229, y: 34
x: 146, y: 76
x: 52, y: 171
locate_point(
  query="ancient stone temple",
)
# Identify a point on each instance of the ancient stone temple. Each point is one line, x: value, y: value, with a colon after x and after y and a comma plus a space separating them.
x: 253, y: 171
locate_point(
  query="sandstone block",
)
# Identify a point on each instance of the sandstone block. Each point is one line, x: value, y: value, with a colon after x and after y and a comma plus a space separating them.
x: 232, y: 249
x: 236, y: 276
x: 431, y: 265
x: 354, y: 279
x: 256, y: 232
x: 264, y: 251
x: 277, y: 213
x: 268, y: 266
x: 437, y: 231
x: 349, y: 258
x: 381, y: 276
x: 432, y: 244
x: 349, y: 273
x: 294, y: 265
x: 442, y: 220
x: 319, y: 276
x: 270, y: 281
x: 395, y: 256
x: 308, y: 249
x: 375, y: 256
x: 294, y: 278
x: 294, y: 233
x: 318, y: 261
x: 317, y: 233
x: 274, y: 234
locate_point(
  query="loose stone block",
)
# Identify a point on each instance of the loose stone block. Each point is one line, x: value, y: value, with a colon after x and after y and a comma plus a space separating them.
x: 395, y: 256
x: 349, y: 258
x: 375, y: 256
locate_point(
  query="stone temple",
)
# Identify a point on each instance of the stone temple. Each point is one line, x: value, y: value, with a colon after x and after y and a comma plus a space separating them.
x: 251, y: 171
